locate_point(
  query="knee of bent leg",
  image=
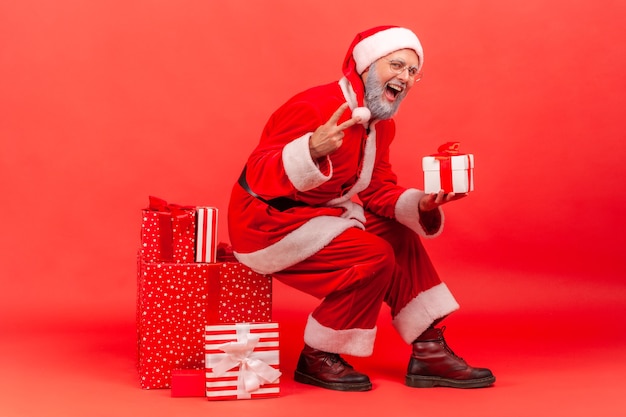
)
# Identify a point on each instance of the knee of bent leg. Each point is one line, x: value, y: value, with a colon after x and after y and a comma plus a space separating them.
x: 381, y: 257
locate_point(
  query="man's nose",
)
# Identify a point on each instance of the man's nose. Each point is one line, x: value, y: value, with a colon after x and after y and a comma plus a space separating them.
x: 404, y: 75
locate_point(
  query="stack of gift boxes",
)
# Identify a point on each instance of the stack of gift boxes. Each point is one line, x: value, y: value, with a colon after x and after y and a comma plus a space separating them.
x: 204, y: 321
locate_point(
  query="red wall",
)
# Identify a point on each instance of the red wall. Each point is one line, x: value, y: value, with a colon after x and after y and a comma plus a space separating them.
x: 103, y: 103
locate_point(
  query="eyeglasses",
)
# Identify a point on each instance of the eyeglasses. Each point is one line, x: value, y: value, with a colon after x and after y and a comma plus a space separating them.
x: 398, y: 67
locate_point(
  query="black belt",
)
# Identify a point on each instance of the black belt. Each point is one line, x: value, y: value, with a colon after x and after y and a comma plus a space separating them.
x: 279, y: 203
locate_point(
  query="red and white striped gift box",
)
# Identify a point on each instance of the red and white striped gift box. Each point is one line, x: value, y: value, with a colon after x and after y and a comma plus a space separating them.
x: 242, y: 361
x: 206, y: 234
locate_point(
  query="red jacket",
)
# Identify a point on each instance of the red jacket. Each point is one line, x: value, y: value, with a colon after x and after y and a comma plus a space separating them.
x: 269, y: 240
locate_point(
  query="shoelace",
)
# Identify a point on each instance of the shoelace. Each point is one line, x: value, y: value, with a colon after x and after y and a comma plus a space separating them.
x: 335, y: 358
x: 445, y: 345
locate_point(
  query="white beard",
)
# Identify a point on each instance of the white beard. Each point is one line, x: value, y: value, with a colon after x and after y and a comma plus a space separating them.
x: 374, y: 91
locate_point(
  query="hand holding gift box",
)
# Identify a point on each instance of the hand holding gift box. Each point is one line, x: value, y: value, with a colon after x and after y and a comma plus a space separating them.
x: 448, y: 170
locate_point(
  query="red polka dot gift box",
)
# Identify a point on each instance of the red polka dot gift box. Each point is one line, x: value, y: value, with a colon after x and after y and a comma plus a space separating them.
x: 177, y: 300
x: 168, y: 232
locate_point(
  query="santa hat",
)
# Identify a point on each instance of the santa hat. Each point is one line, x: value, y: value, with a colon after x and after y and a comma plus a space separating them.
x: 369, y: 46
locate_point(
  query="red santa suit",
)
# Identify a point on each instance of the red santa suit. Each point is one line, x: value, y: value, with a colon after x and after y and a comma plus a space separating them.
x: 339, y: 228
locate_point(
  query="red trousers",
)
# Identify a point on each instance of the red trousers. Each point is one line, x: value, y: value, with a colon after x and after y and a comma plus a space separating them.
x: 359, y: 270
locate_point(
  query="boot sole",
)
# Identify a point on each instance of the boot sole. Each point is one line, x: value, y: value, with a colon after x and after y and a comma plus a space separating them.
x: 419, y: 381
x: 337, y: 386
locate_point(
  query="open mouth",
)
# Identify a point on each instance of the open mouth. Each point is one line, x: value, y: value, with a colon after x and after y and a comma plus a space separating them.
x: 392, y: 91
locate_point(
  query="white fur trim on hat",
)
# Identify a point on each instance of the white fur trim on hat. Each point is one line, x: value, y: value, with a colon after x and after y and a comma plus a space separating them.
x: 383, y: 43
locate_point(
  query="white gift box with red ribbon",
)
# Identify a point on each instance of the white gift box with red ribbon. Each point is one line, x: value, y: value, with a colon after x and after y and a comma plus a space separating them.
x: 206, y: 234
x: 242, y: 361
x: 448, y: 170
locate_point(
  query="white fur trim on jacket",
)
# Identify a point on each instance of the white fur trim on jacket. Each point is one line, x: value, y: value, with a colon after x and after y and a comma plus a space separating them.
x: 407, y: 212
x: 352, y: 211
x: 355, y: 342
x: 423, y: 310
x: 301, y: 169
x: 367, y: 169
x: 298, y: 245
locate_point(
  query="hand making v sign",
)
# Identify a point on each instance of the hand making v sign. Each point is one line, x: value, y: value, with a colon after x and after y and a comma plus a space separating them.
x: 328, y: 137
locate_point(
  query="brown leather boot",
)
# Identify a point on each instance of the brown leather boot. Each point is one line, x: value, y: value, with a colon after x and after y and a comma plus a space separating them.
x: 434, y: 364
x: 329, y: 370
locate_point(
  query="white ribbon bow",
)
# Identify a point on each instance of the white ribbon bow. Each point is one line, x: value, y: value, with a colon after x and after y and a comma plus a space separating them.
x: 252, y: 372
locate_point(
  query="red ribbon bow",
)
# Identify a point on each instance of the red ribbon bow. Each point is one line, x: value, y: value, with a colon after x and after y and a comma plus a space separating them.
x: 158, y: 204
x: 447, y: 149
x: 444, y: 155
x: 185, y: 215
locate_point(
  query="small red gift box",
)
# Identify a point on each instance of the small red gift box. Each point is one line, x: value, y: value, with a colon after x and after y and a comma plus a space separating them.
x: 242, y: 361
x: 188, y: 383
x: 168, y: 232
x: 448, y: 170
x: 176, y: 301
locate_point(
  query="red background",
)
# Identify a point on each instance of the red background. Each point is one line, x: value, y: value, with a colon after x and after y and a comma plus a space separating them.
x: 103, y: 103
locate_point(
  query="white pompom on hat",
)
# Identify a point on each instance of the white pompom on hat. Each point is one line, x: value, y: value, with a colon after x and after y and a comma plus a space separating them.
x: 369, y: 46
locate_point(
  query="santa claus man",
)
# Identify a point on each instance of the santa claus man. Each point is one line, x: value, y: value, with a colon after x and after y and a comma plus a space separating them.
x: 318, y: 207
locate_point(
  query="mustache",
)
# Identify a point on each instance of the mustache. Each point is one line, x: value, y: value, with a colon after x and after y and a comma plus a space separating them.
x: 374, y: 91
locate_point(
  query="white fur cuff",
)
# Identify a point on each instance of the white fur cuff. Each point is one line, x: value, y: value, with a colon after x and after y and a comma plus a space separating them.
x: 407, y: 212
x: 355, y: 342
x: 423, y: 310
x: 301, y: 170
